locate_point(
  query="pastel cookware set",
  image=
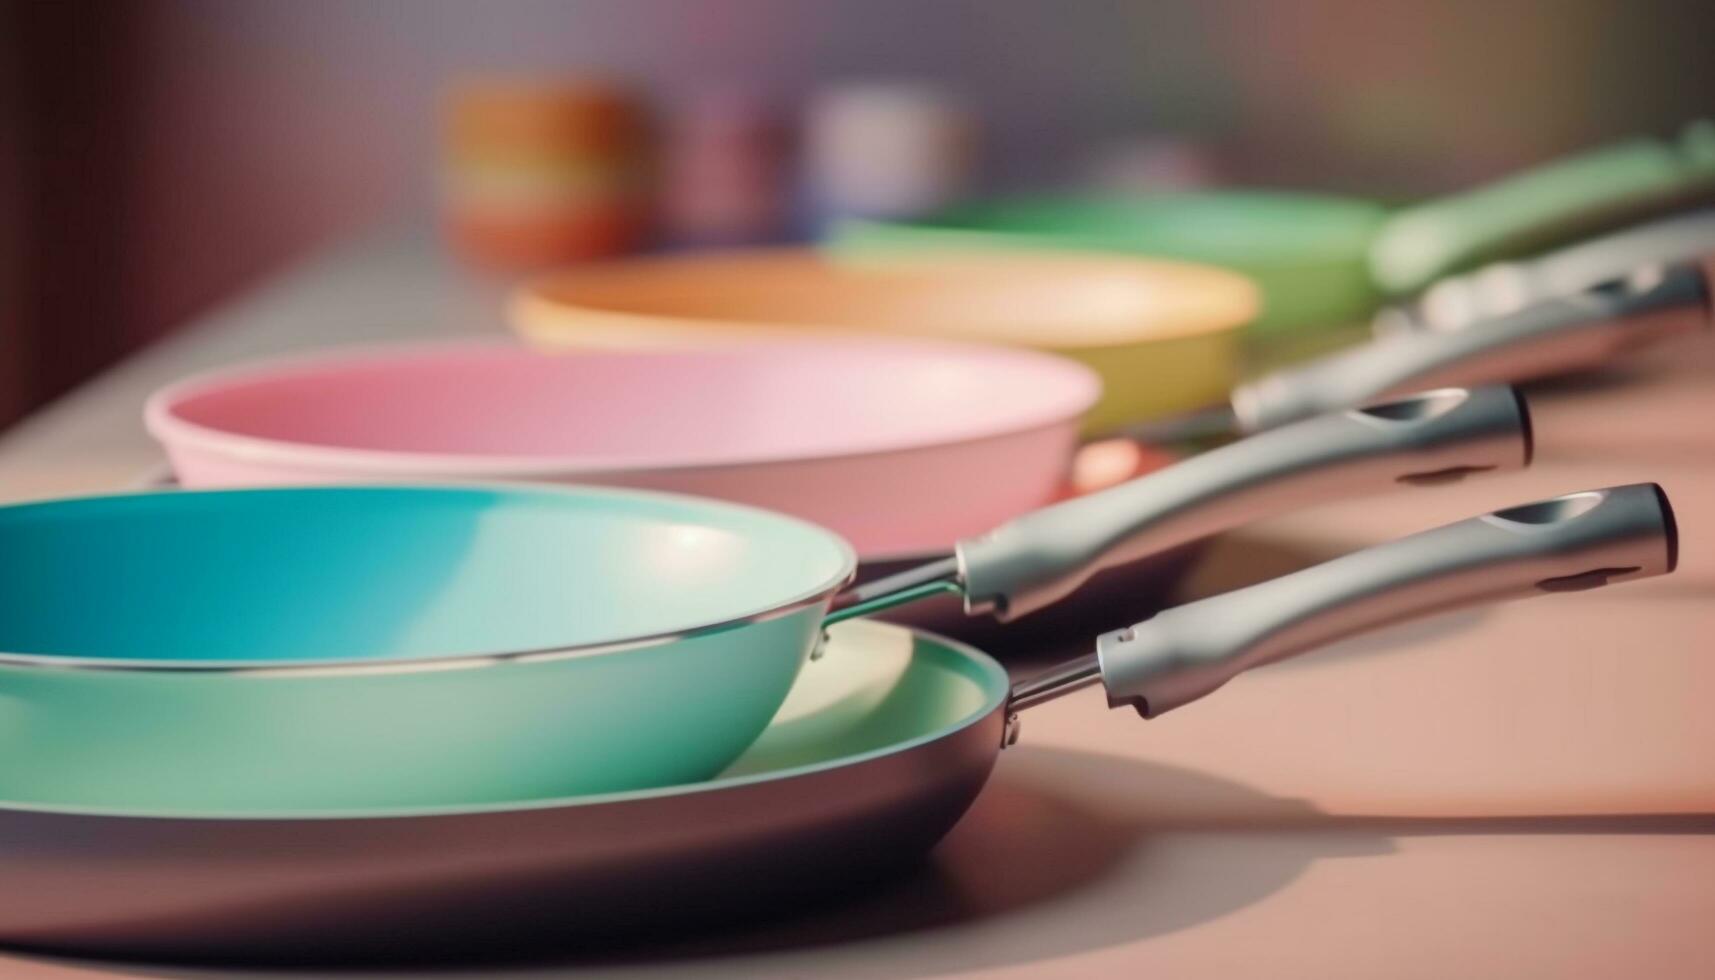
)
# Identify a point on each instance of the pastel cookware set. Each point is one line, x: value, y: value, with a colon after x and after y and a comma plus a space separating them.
x: 443, y: 643
x: 419, y: 646
x: 1323, y: 261
x: 878, y: 751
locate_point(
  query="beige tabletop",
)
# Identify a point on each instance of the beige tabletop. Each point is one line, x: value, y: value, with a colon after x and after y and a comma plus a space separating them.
x: 1519, y: 791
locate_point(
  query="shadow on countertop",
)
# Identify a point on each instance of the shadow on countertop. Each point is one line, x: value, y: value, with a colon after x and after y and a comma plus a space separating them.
x: 1066, y: 851
x: 1027, y: 867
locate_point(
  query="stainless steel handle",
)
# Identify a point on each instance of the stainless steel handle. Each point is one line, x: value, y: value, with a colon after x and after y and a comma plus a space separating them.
x: 1550, y: 337
x: 1579, y: 541
x: 1432, y: 437
x: 1504, y: 288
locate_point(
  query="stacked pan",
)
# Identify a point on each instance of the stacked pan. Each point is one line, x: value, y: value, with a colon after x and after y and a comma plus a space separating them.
x: 446, y: 643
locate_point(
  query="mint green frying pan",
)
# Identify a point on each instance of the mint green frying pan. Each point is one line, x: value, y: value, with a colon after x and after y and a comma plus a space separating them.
x: 877, y: 752
x: 1325, y: 261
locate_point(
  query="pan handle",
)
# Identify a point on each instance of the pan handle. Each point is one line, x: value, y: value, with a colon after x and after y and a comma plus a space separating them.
x: 1503, y: 288
x: 1556, y: 335
x: 1566, y: 544
x: 1434, y: 437
x: 1568, y: 198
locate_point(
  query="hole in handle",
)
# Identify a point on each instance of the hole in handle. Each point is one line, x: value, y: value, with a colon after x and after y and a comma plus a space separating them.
x: 1435, y: 478
x: 1595, y: 578
x: 1552, y: 511
x: 1426, y: 405
x: 1639, y: 280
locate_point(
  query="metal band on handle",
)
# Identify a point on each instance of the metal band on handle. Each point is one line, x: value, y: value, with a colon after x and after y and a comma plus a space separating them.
x: 1433, y: 437
x: 1554, y: 336
x: 1579, y: 541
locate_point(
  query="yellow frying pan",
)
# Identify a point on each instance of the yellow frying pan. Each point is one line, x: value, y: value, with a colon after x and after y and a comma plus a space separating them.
x: 1164, y: 336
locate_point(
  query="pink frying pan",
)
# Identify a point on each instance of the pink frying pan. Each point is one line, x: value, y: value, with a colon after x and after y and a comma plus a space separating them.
x: 901, y: 446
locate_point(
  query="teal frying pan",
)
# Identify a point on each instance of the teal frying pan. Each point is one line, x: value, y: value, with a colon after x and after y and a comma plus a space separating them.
x: 1325, y: 261
x: 315, y: 648
x: 877, y: 753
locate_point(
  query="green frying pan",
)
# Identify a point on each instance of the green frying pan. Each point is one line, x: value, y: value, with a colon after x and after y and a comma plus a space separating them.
x: 1325, y: 261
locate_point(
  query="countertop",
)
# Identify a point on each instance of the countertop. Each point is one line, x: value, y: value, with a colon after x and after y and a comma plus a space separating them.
x: 1520, y: 791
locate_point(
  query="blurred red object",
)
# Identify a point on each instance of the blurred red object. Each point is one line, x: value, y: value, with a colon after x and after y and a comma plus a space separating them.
x: 1109, y: 462
x: 725, y: 179
x: 540, y: 173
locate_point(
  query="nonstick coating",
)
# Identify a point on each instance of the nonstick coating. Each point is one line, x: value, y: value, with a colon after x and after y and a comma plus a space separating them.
x: 910, y: 745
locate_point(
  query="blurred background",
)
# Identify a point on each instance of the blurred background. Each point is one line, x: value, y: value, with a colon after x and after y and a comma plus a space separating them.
x: 159, y: 155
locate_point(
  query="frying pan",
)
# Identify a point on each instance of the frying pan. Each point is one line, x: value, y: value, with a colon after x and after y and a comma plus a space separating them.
x: 823, y: 431
x: 1163, y: 336
x: 877, y: 753
x: 1503, y: 288
x: 1554, y: 335
x: 248, y: 649
x: 1325, y: 261
x: 954, y: 439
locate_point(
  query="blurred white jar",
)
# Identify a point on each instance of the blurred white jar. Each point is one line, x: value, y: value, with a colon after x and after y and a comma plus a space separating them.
x: 886, y: 150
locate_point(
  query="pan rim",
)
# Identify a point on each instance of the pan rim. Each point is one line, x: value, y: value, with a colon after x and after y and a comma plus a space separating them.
x: 543, y: 298
x: 983, y: 669
x: 162, y: 419
x: 821, y: 593
x: 964, y: 222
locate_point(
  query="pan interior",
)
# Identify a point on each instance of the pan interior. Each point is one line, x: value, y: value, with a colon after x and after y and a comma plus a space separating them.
x: 316, y: 575
x: 877, y: 687
x: 1044, y: 299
